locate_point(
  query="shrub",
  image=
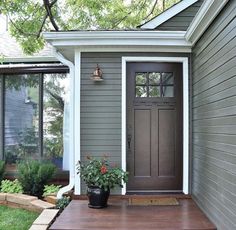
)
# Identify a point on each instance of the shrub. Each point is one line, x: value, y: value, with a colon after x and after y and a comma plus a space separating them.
x: 50, y: 189
x: 34, y: 174
x: 2, y: 169
x: 62, y: 203
x: 9, y: 186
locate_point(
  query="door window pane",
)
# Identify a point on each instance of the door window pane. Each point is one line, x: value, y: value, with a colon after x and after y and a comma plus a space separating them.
x: 168, y: 91
x: 167, y: 78
x: 21, y: 134
x: 154, y: 91
x: 141, y: 78
x: 141, y: 91
x: 154, y: 78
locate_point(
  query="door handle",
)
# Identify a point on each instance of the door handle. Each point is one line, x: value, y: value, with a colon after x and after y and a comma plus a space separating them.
x: 129, y: 141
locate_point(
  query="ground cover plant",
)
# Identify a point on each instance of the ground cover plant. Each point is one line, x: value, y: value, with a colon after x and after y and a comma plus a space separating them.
x: 16, y: 219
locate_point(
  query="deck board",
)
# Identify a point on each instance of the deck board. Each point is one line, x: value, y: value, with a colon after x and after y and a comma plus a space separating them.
x: 121, y: 216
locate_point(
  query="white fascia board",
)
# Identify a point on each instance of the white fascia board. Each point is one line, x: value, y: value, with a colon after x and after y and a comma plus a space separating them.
x: 117, y: 38
x: 204, y: 17
x: 29, y: 59
x: 166, y: 15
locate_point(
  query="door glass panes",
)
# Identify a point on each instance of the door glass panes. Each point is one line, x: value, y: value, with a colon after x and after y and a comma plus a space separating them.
x: 154, y: 84
x: 21, y: 135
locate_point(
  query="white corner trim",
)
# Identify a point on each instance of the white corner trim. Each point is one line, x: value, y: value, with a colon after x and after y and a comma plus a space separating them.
x: 204, y: 17
x: 184, y: 61
x: 67, y: 188
x: 166, y: 15
x: 76, y: 119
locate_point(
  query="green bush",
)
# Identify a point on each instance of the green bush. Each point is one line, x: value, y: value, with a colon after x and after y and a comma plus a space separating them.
x: 50, y: 189
x: 62, y: 203
x: 34, y: 174
x: 9, y: 186
x: 2, y: 169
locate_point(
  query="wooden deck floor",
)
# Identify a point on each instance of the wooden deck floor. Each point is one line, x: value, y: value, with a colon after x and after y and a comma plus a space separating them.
x: 121, y: 216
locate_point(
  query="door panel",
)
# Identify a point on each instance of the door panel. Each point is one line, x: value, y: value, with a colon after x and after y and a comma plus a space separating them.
x: 142, y: 157
x: 154, y: 126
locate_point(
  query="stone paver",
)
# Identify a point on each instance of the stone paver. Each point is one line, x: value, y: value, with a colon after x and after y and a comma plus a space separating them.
x: 3, y: 196
x: 41, y: 205
x: 20, y: 199
x: 51, y: 199
x: 46, y: 217
x: 38, y: 227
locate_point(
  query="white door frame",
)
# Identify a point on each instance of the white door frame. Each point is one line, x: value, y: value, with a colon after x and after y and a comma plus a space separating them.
x: 184, y: 61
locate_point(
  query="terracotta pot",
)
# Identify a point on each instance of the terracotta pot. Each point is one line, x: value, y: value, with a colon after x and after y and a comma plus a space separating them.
x: 98, y: 197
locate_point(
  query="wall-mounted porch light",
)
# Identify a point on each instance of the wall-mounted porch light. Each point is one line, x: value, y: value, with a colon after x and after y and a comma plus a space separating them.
x: 97, y: 74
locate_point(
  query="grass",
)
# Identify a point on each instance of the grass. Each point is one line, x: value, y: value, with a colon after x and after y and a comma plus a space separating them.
x: 16, y: 218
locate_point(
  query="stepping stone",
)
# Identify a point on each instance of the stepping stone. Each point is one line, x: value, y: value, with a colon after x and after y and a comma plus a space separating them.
x: 39, y: 205
x: 39, y: 227
x: 46, y: 217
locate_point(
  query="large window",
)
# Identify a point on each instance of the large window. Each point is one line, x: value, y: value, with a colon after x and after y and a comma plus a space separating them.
x: 32, y: 116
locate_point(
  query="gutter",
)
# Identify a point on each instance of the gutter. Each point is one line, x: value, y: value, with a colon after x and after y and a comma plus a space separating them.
x: 71, y: 184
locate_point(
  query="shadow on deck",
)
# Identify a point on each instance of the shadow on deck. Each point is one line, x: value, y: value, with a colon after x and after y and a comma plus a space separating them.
x: 121, y: 216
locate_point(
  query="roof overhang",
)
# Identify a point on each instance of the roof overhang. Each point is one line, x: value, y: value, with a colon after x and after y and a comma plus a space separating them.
x: 204, y: 17
x: 117, y: 41
x: 169, y: 13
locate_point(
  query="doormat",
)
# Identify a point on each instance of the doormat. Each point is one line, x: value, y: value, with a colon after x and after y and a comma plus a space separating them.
x: 153, y: 201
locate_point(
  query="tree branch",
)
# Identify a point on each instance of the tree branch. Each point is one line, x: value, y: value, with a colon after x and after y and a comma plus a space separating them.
x: 20, y: 30
x: 152, y: 10
x: 48, y: 6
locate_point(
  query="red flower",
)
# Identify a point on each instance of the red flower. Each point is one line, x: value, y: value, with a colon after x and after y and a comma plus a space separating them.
x: 103, y: 169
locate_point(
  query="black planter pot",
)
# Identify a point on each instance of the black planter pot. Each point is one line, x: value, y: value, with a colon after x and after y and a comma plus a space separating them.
x: 98, y: 197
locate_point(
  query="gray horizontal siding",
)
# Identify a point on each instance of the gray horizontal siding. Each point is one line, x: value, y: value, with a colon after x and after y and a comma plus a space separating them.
x: 101, y: 105
x: 214, y: 120
x: 181, y: 21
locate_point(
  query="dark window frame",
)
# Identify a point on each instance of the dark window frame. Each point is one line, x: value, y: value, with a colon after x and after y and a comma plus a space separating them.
x: 41, y: 70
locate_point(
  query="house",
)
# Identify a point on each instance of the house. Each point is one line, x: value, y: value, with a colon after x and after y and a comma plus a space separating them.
x: 165, y: 107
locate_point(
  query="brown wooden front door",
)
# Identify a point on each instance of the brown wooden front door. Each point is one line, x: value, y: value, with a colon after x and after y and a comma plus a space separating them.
x: 154, y: 126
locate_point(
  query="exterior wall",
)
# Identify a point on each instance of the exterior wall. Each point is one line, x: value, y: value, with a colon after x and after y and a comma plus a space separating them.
x: 101, y: 104
x: 214, y: 120
x: 181, y: 21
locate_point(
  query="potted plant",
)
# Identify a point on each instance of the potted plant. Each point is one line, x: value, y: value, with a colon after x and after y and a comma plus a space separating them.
x: 100, y: 177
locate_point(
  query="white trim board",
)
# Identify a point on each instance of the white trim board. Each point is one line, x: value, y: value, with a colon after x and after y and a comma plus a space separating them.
x: 184, y: 61
x: 204, y: 17
x: 166, y: 15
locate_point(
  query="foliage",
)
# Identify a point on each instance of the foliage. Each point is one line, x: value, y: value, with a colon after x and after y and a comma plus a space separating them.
x: 28, y: 18
x: 2, y: 169
x: 16, y: 219
x: 62, y: 203
x: 98, y: 172
x: 34, y: 174
x: 50, y: 189
x: 9, y: 186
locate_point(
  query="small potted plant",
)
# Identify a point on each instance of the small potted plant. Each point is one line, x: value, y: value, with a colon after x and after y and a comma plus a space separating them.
x: 100, y: 177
